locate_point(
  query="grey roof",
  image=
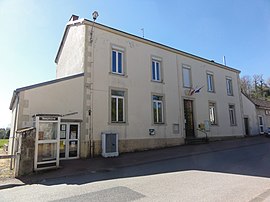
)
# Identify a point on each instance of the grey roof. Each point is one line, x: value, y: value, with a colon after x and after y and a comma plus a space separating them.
x: 260, y: 103
x: 18, y: 90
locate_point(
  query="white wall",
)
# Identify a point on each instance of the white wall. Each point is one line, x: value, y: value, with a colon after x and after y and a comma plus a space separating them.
x: 251, y: 113
x: 59, y: 98
x: 71, y: 57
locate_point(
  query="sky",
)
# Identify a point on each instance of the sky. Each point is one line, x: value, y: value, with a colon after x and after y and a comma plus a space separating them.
x: 31, y: 31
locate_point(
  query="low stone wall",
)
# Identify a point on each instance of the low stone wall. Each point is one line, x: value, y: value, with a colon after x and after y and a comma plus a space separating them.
x: 25, y: 157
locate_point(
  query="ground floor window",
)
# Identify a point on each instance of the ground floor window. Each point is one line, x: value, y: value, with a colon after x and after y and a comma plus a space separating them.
x: 117, y: 106
x: 232, y: 115
x: 158, y: 109
x: 261, y: 128
x: 212, y: 113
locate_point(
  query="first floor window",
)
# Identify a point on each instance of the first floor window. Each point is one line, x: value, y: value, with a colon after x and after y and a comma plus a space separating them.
x: 186, y: 77
x: 156, y: 70
x: 212, y: 113
x: 117, y: 106
x: 229, y: 86
x: 210, y: 82
x: 117, y: 62
x: 158, y: 109
x: 232, y: 115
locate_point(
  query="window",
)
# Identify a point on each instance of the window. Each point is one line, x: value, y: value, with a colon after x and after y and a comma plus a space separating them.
x: 212, y: 113
x: 156, y: 70
x: 210, y: 82
x: 261, y: 125
x: 158, y: 109
x: 117, y: 106
x: 186, y: 77
x: 117, y: 62
x: 232, y: 115
x: 229, y: 86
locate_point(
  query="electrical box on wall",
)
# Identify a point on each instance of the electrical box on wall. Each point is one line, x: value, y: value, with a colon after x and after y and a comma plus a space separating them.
x: 109, y: 144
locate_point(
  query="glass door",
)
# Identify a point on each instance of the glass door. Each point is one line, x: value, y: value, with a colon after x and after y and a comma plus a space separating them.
x: 69, y: 140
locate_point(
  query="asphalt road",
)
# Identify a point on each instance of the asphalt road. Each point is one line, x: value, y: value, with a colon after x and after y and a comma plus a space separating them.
x: 240, y: 174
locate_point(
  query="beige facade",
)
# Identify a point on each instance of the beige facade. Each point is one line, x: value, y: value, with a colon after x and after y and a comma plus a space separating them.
x: 152, y: 85
x: 257, y: 115
x: 250, y: 116
x: 62, y: 96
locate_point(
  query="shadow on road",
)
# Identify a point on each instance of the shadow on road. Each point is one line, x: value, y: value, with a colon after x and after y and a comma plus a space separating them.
x: 249, y: 156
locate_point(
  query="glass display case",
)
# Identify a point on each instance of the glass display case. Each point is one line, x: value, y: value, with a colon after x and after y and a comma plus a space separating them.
x: 47, y: 141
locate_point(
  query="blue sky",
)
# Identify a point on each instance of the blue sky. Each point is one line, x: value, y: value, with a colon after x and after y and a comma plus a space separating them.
x: 31, y: 32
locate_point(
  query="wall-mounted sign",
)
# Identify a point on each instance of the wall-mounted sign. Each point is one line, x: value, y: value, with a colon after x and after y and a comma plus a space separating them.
x: 47, y: 118
x: 151, y: 131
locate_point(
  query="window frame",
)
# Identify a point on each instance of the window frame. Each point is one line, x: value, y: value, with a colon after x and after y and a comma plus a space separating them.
x: 229, y: 86
x: 212, y: 83
x: 155, y: 103
x: 122, y: 51
x: 124, y: 108
x: 213, y: 105
x: 154, y: 75
x: 233, y: 120
x: 261, y: 124
x: 186, y: 67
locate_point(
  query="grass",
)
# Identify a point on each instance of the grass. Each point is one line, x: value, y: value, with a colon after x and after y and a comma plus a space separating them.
x: 2, y: 142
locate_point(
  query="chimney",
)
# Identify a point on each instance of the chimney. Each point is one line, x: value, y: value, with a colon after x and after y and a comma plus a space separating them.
x: 73, y: 18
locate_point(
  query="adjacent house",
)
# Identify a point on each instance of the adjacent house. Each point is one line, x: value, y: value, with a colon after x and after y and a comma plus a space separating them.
x: 110, y: 81
x: 256, y: 115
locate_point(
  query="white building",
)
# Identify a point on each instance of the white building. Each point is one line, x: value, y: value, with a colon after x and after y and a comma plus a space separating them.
x: 256, y: 115
x: 150, y: 94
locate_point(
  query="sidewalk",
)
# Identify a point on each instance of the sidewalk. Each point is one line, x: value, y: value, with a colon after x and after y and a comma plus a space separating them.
x: 100, y: 164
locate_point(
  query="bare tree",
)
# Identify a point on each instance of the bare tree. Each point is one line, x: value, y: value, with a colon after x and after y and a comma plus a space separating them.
x: 246, y: 84
x: 258, y: 85
x: 268, y: 82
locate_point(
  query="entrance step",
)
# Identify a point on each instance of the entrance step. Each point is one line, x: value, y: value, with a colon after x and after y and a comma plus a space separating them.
x: 195, y: 140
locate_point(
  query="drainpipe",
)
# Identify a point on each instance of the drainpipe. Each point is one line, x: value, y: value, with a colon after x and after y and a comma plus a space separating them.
x: 90, y: 129
x: 14, y: 127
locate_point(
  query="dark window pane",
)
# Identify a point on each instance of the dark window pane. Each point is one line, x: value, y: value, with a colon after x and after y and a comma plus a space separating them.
x: 155, y: 112
x: 153, y: 70
x: 73, y: 134
x: 120, y: 63
x: 157, y: 69
x: 118, y: 93
x: 113, y: 109
x: 120, y: 110
x: 160, y: 112
x: 113, y: 61
x: 155, y: 97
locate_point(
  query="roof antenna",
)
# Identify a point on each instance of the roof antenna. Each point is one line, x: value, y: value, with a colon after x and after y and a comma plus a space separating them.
x: 142, y: 32
x: 224, y: 61
x: 95, y: 16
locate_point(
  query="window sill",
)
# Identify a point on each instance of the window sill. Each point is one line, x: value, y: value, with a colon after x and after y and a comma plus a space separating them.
x: 120, y: 75
x: 118, y: 123
x: 159, y: 124
x: 156, y: 81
